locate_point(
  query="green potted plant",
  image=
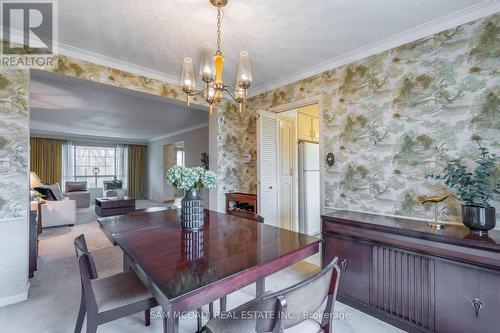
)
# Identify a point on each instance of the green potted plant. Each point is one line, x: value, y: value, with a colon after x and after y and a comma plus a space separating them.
x: 191, y: 180
x: 473, y: 189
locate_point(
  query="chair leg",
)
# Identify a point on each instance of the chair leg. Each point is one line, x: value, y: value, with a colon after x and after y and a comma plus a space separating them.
x: 81, y: 315
x: 91, y: 323
x: 147, y: 317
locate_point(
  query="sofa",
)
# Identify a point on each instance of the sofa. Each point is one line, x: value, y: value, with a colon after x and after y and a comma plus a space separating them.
x: 77, y: 191
x: 56, y: 213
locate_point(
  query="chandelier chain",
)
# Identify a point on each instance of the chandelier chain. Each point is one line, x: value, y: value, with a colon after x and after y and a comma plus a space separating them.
x: 219, y: 19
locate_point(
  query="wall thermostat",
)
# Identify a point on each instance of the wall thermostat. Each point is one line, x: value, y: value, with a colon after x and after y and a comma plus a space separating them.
x: 330, y: 159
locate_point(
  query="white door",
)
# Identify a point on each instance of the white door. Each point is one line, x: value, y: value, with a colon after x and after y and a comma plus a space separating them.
x: 286, y: 172
x: 267, y: 166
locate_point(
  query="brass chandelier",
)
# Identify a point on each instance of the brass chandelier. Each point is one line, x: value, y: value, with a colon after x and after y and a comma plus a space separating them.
x: 211, y: 71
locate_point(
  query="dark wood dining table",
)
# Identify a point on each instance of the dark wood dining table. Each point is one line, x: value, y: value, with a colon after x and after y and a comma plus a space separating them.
x: 188, y: 269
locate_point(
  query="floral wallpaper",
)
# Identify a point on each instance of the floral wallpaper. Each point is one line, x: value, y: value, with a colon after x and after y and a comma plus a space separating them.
x: 14, y: 139
x: 390, y: 119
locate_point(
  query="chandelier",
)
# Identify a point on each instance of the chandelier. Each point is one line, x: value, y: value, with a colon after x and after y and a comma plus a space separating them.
x: 211, y: 71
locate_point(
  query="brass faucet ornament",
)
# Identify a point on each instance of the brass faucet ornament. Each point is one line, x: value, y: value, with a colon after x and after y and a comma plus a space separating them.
x: 436, y: 199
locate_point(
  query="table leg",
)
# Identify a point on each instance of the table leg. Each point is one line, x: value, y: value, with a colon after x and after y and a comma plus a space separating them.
x: 223, y: 304
x: 126, y: 263
x: 170, y: 323
x: 199, y: 320
x: 211, y: 313
x: 260, y: 287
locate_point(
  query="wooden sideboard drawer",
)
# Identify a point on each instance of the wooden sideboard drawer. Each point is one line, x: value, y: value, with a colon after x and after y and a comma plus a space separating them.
x: 460, y: 291
x: 354, y: 262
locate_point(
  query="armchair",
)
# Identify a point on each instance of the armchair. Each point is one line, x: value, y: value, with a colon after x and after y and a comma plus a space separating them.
x: 78, y: 191
x: 111, y: 187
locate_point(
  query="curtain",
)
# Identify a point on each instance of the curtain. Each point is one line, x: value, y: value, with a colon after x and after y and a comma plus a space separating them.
x: 122, y: 164
x: 46, y: 159
x: 68, y: 163
x: 136, y: 171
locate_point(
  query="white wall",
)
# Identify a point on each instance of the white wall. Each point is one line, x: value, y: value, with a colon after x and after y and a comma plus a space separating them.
x: 14, y: 261
x: 195, y: 143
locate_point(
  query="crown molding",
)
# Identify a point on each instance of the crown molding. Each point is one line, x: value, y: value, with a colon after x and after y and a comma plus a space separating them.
x: 463, y: 16
x: 184, y: 130
x: 85, y: 138
x: 96, y: 58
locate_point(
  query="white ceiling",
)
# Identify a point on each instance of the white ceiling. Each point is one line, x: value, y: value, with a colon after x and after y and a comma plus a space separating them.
x: 66, y: 106
x: 284, y: 37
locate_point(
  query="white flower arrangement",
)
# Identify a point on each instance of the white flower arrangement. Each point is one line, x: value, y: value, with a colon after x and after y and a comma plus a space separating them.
x: 191, y: 179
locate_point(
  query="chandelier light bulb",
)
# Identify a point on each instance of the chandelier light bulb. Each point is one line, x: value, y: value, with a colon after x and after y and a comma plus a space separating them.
x: 207, y: 65
x: 244, y: 76
x: 188, y: 82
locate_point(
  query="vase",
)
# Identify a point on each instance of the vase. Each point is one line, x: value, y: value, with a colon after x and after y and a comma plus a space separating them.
x: 479, y: 219
x: 192, y: 212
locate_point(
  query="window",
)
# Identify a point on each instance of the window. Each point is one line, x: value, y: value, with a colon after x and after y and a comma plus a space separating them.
x: 95, y: 164
x: 179, y: 157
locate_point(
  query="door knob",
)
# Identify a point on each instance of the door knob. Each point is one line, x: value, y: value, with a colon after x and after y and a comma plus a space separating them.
x: 270, y: 187
x: 344, y: 263
x: 477, y: 305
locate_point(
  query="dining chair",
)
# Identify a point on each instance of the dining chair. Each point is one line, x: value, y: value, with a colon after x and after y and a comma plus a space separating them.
x: 109, y: 298
x: 290, y: 310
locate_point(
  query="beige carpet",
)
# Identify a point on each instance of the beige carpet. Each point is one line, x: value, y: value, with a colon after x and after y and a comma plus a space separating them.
x: 55, y: 290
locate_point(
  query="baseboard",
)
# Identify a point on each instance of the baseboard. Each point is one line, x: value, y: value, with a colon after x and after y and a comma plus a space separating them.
x: 14, y: 298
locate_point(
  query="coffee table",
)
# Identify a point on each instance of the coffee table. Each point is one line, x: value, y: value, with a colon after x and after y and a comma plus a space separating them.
x: 114, y: 206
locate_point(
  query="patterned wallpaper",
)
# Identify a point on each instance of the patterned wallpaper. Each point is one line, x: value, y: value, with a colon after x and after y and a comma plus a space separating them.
x: 391, y: 118
x: 14, y: 121
x: 388, y: 118
x: 237, y: 133
x: 118, y: 78
x: 14, y: 138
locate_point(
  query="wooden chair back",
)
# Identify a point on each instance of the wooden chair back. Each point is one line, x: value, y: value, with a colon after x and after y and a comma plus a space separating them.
x: 293, y: 305
x: 81, y: 249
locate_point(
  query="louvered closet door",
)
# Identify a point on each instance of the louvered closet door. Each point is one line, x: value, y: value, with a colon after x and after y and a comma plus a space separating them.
x: 267, y: 165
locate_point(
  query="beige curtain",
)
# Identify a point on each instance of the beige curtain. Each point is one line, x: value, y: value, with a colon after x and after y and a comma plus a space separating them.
x: 46, y: 159
x: 137, y: 171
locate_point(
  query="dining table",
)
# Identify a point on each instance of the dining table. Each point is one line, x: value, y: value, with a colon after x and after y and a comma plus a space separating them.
x: 185, y: 270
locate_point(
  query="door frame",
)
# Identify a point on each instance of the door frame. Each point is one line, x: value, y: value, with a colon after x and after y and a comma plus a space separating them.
x: 298, y: 104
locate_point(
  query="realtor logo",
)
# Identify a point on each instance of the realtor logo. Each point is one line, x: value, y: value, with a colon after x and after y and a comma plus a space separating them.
x: 29, y: 33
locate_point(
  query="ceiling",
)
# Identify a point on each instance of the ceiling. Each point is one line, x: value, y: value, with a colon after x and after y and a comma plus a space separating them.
x: 66, y: 106
x: 284, y: 37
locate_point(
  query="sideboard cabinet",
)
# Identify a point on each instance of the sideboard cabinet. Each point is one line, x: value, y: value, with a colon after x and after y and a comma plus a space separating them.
x: 414, y: 277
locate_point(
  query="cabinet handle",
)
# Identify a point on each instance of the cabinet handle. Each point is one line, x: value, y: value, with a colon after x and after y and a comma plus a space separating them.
x: 477, y: 305
x: 344, y: 263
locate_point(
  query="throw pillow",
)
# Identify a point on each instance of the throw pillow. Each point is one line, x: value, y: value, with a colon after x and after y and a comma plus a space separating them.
x: 76, y: 186
x: 45, y: 192
x: 56, y: 190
